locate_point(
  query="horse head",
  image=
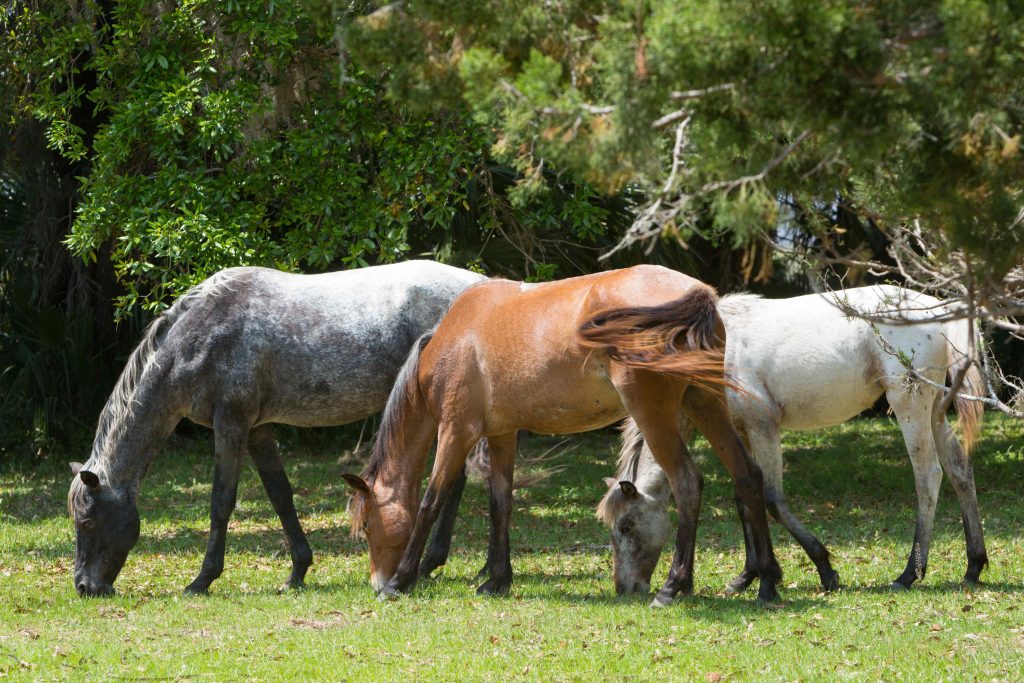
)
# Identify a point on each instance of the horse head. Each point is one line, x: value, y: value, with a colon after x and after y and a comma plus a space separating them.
x: 384, y: 522
x: 106, y: 529
x: 640, y: 527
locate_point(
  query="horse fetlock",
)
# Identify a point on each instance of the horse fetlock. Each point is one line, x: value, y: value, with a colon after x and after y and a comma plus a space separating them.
x: 975, y: 565
x: 741, y: 582
x: 302, y: 559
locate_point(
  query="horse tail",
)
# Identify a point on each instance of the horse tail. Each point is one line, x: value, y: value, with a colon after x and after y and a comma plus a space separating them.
x: 969, y: 412
x: 677, y: 338
x: 404, y: 401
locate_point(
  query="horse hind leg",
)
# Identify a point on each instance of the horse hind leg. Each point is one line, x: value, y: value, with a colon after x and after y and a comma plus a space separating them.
x: 913, y: 411
x: 230, y: 439
x: 264, y: 454
x: 653, y: 403
x: 960, y: 469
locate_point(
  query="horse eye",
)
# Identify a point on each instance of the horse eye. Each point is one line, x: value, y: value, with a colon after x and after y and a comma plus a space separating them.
x: 364, y: 526
x: 625, y: 528
x: 88, y: 523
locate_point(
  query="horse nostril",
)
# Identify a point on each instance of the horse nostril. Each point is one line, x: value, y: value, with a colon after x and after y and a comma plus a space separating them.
x: 620, y: 589
x: 81, y: 587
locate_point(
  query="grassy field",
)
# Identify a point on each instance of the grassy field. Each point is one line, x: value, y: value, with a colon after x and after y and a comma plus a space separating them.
x: 852, y: 485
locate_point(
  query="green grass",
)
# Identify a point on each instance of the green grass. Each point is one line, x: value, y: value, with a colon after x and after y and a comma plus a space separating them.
x: 851, y: 485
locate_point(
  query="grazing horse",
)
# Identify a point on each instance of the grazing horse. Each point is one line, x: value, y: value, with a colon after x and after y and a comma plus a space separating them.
x: 804, y: 364
x: 243, y: 349
x: 559, y: 357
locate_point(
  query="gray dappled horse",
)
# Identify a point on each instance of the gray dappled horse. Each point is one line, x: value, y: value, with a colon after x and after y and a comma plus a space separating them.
x: 243, y: 349
x: 803, y: 363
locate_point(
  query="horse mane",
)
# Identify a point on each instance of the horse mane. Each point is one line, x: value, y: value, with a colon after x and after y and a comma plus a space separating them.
x: 117, y: 411
x: 626, y: 468
x: 404, y: 393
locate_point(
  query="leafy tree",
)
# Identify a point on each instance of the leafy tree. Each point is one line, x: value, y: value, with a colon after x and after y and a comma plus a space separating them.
x: 145, y: 146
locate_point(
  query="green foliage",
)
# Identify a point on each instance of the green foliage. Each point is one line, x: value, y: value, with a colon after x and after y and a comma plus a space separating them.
x: 909, y: 110
x: 222, y: 137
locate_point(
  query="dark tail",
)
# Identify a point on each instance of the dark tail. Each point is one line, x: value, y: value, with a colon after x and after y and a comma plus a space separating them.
x: 677, y: 338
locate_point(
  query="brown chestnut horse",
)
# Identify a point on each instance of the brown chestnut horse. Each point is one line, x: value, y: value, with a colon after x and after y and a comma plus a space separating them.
x: 556, y: 358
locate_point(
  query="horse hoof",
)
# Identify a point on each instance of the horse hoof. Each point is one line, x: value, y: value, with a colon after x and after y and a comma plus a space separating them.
x: 428, y: 567
x: 830, y: 583
x: 661, y: 601
x: 768, y: 597
x: 196, y: 589
x: 389, y: 593
x: 737, y: 586
x: 494, y: 588
x: 898, y: 586
x: 292, y: 584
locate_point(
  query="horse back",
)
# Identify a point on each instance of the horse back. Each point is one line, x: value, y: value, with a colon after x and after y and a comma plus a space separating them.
x: 307, y: 350
x: 514, y: 348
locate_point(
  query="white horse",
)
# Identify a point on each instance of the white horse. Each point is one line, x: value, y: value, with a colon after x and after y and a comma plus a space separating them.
x: 802, y: 364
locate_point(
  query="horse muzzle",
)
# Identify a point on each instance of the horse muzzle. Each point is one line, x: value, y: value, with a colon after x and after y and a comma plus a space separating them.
x: 92, y: 589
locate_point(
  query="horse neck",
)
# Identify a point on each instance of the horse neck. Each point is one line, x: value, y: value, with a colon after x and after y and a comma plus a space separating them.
x: 132, y: 428
x: 650, y: 478
x: 401, y: 473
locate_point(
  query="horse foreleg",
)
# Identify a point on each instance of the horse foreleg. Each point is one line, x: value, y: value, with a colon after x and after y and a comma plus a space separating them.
x: 653, y: 402
x: 229, y: 444
x: 960, y: 469
x: 765, y: 444
x: 263, y: 451
x: 448, y: 463
x: 499, y: 560
x: 913, y: 416
x: 441, y: 542
x: 708, y: 412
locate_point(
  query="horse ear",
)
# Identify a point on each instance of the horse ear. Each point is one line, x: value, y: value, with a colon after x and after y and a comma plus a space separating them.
x: 628, y: 489
x: 611, y: 482
x: 76, y: 467
x: 356, y: 482
x: 89, y: 479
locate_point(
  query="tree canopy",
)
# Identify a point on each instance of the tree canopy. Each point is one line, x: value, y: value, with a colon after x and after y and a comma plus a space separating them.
x: 905, y: 110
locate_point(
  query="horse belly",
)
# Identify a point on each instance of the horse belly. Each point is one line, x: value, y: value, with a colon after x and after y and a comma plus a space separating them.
x: 830, y: 396
x: 555, y: 407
